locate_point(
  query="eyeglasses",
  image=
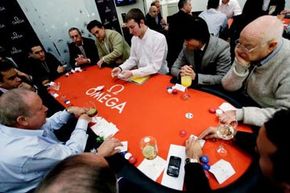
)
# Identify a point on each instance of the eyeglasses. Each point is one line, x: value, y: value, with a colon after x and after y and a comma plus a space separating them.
x: 241, y: 46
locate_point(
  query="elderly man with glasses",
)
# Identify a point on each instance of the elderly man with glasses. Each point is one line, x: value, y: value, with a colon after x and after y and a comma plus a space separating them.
x: 261, y: 70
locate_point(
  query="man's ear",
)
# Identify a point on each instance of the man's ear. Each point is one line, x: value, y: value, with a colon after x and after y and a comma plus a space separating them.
x: 272, y: 45
x: 22, y: 121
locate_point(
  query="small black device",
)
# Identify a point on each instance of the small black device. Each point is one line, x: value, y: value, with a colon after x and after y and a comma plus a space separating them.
x: 174, y: 166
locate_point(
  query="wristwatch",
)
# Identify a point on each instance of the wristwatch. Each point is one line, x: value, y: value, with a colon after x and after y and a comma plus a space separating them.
x: 191, y: 160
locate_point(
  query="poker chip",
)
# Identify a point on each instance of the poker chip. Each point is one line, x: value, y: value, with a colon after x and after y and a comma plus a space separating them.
x: 218, y: 112
x: 206, y: 166
x: 182, y: 133
x: 188, y: 115
x: 204, y: 159
x: 132, y: 160
x: 128, y: 155
x: 174, y: 91
x: 212, y: 110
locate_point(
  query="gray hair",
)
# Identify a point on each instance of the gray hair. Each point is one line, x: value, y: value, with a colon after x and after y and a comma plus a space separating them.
x: 13, y: 105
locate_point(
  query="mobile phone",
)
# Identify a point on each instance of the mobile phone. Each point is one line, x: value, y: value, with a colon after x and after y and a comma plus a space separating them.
x: 174, y: 166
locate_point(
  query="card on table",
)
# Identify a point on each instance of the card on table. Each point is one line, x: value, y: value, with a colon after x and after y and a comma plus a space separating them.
x: 103, y: 128
x: 222, y: 170
x: 152, y: 168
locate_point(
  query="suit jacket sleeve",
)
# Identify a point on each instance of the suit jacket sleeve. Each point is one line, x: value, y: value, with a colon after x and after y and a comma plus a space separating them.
x: 116, y: 40
x: 195, y: 179
x: 91, y: 50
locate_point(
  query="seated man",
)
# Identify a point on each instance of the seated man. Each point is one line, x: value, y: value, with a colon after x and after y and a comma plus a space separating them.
x: 272, y: 145
x: 204, y: 57
x: 28, y: 146
x: 82, y: 51
x: 216, y: 21
x: 148, y: 50
x: 9, y: 78
x: 112, y: 47
x: 43, y: 67
x: 230, y: 8
x: 261, y: 70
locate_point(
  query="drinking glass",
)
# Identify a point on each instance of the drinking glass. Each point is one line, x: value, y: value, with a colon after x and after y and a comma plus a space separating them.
x: 148, y: 147
x: 186, y: 81
x: 225, y: 131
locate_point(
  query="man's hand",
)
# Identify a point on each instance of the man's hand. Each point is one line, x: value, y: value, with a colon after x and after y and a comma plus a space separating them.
x: 100, y: 62
x: 60, y: 69
x: 209, y: 133
x: 77, y: 111
x: 80, y: 60
x: 228, y: 117
x: 85, y: 117
x: 187, y: 71
x: 45, y: 82
x: 26, y: 86
x: 108, y: 147
x: 125, y: 74
x: 193, y: 148
x: 116, y: 71
x: 241, y: 58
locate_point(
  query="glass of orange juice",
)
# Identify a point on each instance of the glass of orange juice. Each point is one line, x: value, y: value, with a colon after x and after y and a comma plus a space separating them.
x: 186, y: 81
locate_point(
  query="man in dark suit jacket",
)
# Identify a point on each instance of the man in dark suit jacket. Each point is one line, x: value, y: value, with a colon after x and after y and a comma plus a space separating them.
x: 151, y: 19
x: 176, y: 28
x: 83, y: 51
x: 43, y: 67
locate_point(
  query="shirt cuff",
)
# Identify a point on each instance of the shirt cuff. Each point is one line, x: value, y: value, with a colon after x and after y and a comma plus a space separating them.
x: 240, y: 69
x: 82, y: 124
x: 240, y: 114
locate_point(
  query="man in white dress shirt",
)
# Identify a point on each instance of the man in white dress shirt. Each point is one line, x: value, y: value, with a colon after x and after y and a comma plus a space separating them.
x: 148, y: 49
x: 230, y: 8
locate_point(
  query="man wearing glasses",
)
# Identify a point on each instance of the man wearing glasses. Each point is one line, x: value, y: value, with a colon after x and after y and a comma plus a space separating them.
x: 261, y: 69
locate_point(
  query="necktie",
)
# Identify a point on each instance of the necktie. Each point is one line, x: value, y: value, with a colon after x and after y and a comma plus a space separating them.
x: 82, y: 51
x: 45, y: 66
x: 197, y: 59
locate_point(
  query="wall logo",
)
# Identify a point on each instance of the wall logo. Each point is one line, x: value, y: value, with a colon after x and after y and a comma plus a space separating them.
x: 14, y: 50
x: 16, y: 36
x: 108, y: 97
x: 2, y: 26
x: 17, y: 20
x: 2, y: 8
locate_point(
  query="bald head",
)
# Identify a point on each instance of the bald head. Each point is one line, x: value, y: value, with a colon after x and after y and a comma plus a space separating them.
x: 264, y: 29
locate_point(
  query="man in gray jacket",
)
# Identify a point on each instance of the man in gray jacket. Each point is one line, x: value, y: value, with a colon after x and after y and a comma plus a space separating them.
x: 205, y: 58
x: 262, y: 69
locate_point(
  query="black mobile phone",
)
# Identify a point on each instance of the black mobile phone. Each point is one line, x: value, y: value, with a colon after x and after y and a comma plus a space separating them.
x: 174, y: 166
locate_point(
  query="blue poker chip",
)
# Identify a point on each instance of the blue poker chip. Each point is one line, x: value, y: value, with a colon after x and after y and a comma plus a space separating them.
x: 204, y: 159
x: 206, y: 166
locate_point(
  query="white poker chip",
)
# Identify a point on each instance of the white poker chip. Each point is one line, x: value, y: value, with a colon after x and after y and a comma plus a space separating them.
x: 218, y: 112
x: 128, y: 155
x: 147, y: 139
x: 188, y: 115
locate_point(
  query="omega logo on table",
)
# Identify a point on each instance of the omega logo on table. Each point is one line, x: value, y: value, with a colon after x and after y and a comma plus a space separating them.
x: 107, y: 97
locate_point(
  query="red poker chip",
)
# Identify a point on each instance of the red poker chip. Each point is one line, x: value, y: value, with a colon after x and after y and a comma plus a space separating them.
x: 132, y: 160
x: 212, y: 110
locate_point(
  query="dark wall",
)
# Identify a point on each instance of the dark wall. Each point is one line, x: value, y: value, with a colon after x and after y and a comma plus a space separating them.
x: 15, y: 30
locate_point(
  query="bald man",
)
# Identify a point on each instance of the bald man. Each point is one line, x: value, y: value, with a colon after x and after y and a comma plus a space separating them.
x: 150, y: 19
x: 261, y: 69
